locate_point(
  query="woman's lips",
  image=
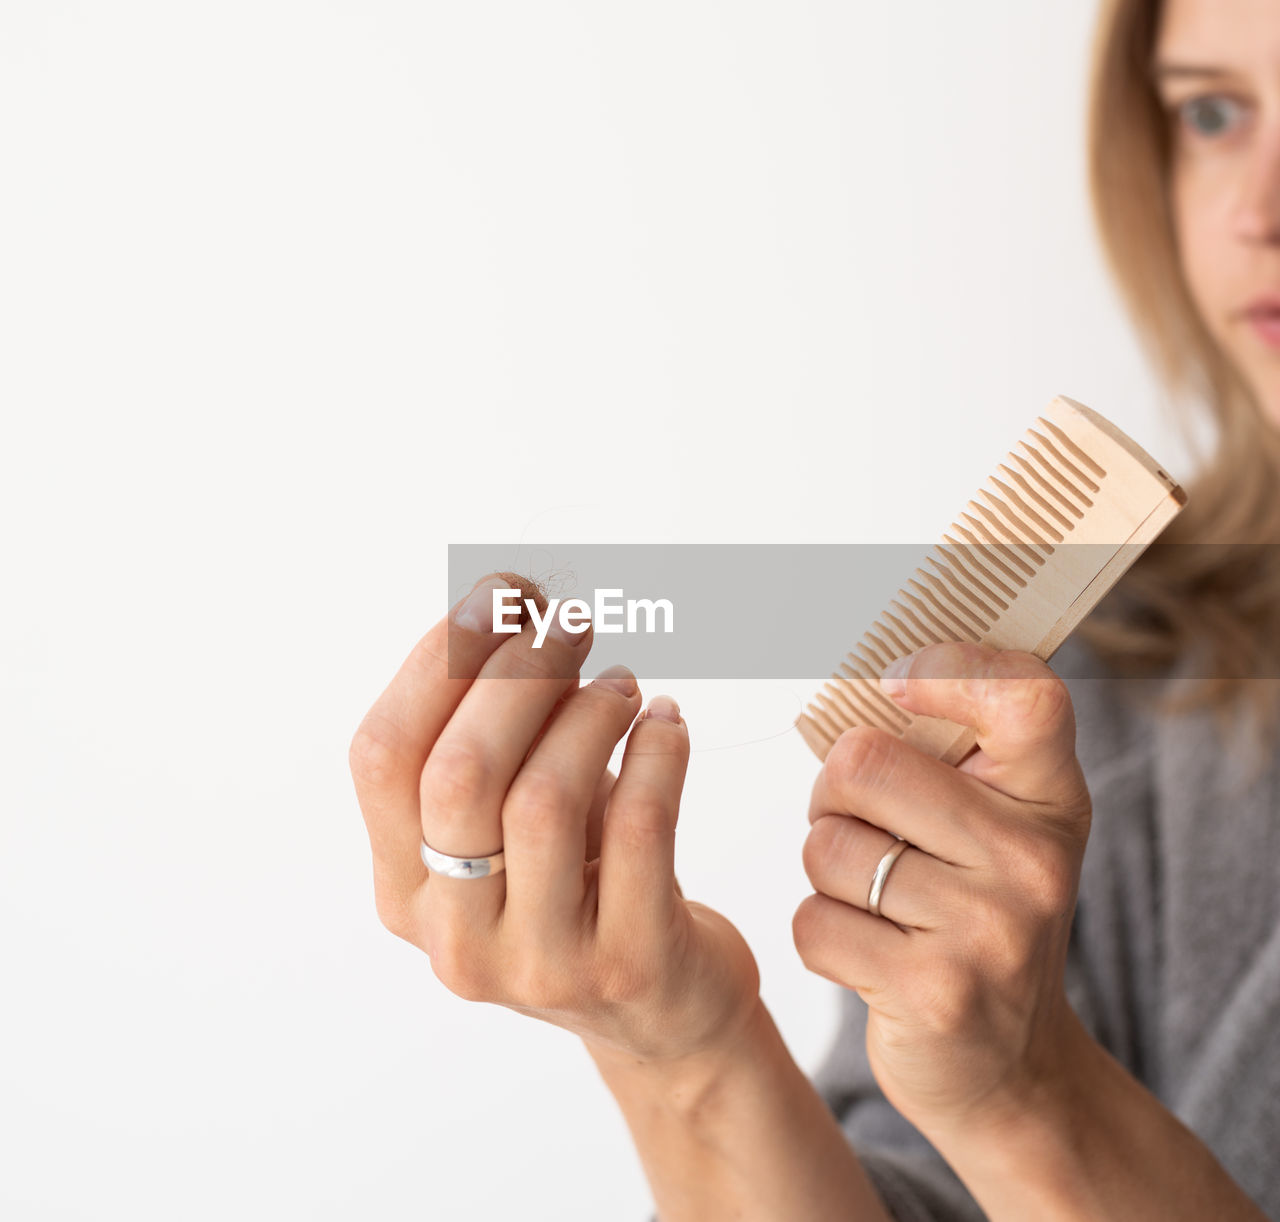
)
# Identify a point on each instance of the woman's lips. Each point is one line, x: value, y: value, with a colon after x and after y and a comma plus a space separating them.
x: 1266, y: 324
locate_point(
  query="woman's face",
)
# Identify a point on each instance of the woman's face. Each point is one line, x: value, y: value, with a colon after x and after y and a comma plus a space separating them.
x: 1217, y: 66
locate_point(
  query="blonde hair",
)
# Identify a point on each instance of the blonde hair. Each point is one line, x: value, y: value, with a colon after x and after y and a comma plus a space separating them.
x: 1209, y: 589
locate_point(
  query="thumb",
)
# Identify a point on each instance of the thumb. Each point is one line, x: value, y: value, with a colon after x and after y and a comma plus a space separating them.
x: 1019, y: 708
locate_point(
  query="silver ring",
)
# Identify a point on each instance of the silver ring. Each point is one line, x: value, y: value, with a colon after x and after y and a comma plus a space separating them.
x: 882, y: 872
x: 462, y: 867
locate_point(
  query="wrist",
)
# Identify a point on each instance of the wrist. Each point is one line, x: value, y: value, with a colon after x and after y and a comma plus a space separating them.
x: 1047, y: 1095
x: 684, y: 1081
x: 1031, y: 1136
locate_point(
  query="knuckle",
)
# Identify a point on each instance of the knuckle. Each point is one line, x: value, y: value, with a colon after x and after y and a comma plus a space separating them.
x: 861, y: 758
x: 805, y: 924
x: 374, y: 756
x: 1003, y: 942
x: 984, y: 911
x: 821, y: 844
x: 1047, y: 700
x: 393, y: 914
x: 457, y: 773
x: 663, y: 738
x: 538, y: 806
x: 460, y: 971
x: 541, y: 987
x: 640, y: 813
x: 995, y: 930
x: 540, y: 663
x: 950, y: 996
x: 527, y: 664
x: 540, y: 823
x: 428, y: 660
x: 1036, y: 701
x: 530, y: 989
x: 622, y: 984
x: 1047, y: 880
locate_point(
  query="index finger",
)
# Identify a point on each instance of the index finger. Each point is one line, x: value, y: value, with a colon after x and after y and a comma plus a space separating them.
x: 391, y: 744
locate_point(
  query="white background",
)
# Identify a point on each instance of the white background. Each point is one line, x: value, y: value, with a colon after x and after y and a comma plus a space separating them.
x: 292, y: 295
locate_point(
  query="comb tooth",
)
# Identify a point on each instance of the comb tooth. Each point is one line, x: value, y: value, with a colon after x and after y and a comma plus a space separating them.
x: 981, y: 528
x: 863, y: 684
x: 994, y: 551
x: 970, y: 580
x: 1020, y: 518
x: 1055, y: 470
x: 958, y: 595
x: 1068, y: 444
x: 811, y: 730
x: 966, y: 584
x: 996, y: 528
x: 874, y: 670
x: 872, y: 692
x: 899, y: 646
x: 1023, y: 510
x: 858, y: 666
x: 948, y: 602
x: 1085, y: 501
x: 822, y: 719
x: 842, y: 712
x: 879, y: 659
x: 956, y: 590
x: 876, y: 667
x: 953, y: 627
x: 1021, y: 481
x: 868, y: 709
x: 920, y: 641
x: 931, y: 634
x: 868, y: 716
x: 1061, y: 459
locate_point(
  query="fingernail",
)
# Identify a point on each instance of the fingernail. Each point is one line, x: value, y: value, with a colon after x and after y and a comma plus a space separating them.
x: 663, y: 708
x: 618, y: 679
x: 476, y: 610
x: 565, y: 635
x: 893, y: 679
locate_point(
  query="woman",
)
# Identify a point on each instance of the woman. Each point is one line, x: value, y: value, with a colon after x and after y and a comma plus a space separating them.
x: 1025, y: 1027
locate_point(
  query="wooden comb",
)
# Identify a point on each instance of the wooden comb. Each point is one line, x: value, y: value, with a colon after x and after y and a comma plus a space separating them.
x: 1079, y: 480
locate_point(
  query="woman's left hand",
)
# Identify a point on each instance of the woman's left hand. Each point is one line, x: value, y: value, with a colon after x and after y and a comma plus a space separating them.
x: 963, y: 970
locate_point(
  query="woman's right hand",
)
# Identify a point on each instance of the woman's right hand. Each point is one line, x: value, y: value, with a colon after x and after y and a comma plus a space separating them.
x: 586, y: 928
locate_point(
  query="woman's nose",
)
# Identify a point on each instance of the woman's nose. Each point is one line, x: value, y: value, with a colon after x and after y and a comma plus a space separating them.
x: 1258, y: 205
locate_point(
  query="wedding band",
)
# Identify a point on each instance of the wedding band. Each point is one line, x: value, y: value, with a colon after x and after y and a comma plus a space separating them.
x: 882, y: 872
x: 462, y: 867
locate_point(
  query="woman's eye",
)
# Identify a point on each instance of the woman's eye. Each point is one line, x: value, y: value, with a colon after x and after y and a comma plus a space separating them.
x: 1207, y: 115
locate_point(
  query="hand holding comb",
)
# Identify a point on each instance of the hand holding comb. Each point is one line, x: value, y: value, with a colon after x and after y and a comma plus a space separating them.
x: 1017, y: 577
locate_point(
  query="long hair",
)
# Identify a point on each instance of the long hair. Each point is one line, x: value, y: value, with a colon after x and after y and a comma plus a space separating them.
x: 1208, y: 591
